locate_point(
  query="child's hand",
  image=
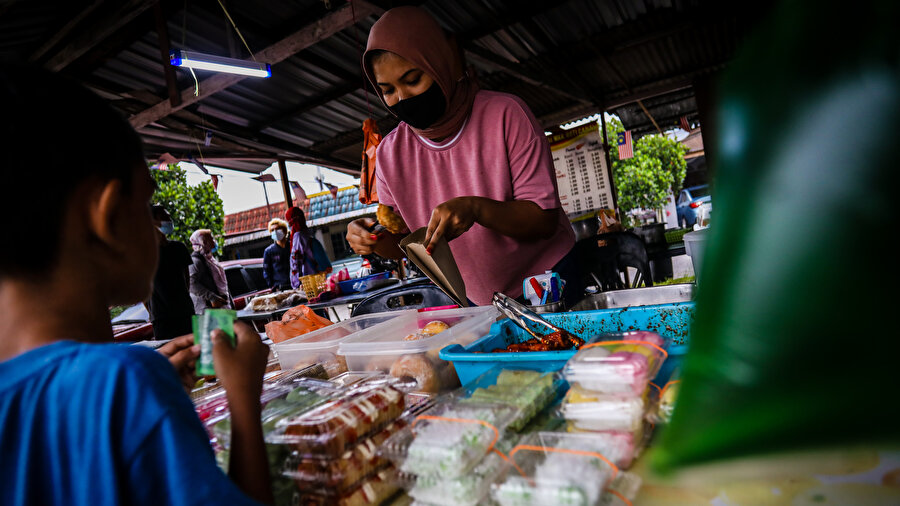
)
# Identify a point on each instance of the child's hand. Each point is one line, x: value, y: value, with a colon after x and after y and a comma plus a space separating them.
x: 182, y: 354
x: 240, y: 369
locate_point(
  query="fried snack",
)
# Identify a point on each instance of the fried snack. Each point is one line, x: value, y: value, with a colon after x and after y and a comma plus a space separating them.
x: 435, y: 327
x: 419, y: 368
x: 390, y: 220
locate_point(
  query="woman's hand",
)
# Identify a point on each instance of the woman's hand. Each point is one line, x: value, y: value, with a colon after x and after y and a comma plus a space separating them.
x: 451, y: 219
x: 359, y: 236
x: 182, y: 354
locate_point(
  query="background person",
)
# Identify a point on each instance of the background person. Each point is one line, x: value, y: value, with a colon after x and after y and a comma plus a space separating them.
x: 471, y: 165
x: 170, y: 304
x: 86, y: 421
x: 277, y: 256
x: 307, y: 253
x: 209, y: 287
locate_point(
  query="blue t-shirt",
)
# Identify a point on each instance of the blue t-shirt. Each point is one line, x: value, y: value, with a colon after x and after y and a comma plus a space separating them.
x: 277, y: 265
x: 98, y: 424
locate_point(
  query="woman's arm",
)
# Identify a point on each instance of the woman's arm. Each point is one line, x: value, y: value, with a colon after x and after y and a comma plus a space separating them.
x: 522, y: 220
x: 364, y: 242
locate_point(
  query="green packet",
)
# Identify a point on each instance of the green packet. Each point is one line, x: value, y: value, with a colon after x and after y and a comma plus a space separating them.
x: 203, y: 325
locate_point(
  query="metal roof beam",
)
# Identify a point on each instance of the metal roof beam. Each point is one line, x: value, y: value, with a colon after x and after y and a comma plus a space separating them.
x: 307, y: 36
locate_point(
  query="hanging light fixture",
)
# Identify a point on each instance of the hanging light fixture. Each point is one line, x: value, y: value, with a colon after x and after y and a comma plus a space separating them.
x: 200, y: 61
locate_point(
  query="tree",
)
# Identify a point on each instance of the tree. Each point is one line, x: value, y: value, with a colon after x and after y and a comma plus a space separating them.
x: 643, y: 181
x: 191, y: 207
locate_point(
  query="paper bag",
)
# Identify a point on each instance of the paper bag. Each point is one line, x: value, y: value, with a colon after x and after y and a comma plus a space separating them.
x: 296, y: 321
x: 440, y: 266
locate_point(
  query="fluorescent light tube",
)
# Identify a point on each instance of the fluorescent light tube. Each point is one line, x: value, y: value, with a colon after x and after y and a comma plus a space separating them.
x: 200, y: 61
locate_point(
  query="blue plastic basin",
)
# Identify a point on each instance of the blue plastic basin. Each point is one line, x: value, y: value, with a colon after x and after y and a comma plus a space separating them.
x: 360, y: 284
x: 672, y: 321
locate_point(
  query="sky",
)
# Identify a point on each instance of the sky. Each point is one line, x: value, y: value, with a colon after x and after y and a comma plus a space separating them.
x: 239, y: 192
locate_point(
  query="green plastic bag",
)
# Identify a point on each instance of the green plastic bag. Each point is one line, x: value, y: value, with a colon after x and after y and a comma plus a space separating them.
x: 794, y: 344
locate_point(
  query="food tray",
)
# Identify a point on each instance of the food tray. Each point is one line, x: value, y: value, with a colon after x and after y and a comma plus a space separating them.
x: 321, y: 346
x: 401, y: 348
x: 329, y: 429
x: 621, y: 363
x: 557, y: 468
x: 467, y: 490
x: 365, y: 283
x: 646, y: 296
x: 448, y: 440
x: 672, y: 321
x: 525, y: 391
x: 336, y: 476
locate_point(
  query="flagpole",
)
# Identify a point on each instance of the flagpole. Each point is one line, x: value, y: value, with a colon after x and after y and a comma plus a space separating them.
x: 268, y: 211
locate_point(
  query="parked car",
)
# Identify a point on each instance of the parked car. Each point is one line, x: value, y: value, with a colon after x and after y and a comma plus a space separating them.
x: 689, y: 201
x: 245, y: 281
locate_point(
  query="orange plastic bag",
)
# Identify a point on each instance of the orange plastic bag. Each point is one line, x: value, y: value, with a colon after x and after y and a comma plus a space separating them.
x: 297, y: 321
x: 371, y: 138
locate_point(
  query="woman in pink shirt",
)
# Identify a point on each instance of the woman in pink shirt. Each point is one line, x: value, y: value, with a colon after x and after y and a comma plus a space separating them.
x: 472, y: 165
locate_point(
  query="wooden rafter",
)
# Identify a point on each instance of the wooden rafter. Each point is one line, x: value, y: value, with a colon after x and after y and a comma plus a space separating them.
x: 307, y: 36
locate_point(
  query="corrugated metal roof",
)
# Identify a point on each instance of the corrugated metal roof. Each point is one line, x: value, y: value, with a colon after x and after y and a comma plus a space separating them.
x: 565, y: 59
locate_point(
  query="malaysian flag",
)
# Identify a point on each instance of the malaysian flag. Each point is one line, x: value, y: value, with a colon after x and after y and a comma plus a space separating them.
x: 215, y: 181
x: 683, y: 123
x: 299, y: 194
x: 623, y: 139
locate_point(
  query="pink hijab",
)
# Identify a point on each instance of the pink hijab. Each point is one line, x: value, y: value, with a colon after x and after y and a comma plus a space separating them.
x: 413, y: 34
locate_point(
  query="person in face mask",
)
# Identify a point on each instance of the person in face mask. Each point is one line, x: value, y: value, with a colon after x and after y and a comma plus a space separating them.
x: 170, y: 304
x: 473, y: 166
x: 209, y: 287
x: 277, y: 257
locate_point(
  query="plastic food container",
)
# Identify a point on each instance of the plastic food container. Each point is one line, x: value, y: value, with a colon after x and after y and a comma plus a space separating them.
x: 525, y: 391
x: 671, y: 321
x: 667, y: 397
x: 320, y: 346
x: 604, y: 413
x: 335, y: 476
x: 374, y: 490
x: 448, y: 440
x: 620, y: 364
x: 362, y: 284
x: 467, y: 490
x: 557, y: 468
x: 329, y: 429
x: 408, y: 347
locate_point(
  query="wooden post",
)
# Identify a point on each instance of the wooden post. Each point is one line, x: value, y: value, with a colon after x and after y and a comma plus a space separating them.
x: 162, y: 32
x: 285, y: 184
x: 612, y: 184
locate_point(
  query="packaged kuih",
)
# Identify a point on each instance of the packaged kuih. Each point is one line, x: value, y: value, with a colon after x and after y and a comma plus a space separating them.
x: 467, y: 490
x: 526, y: 391
x: 328, y: 430
x: 374, y: 490
x: 600, y: 412
x: 667, y: 397
x: 557, y: 468
x: 621, y: 363
x: 450, y: 439
x: 334, y: 476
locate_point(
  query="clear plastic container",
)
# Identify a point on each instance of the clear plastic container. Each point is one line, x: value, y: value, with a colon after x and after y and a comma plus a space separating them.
x: 467, y: 490
x: 374, y: 490
x: 600, y: 412
x: 335, y: 476
x: 320, y: 346
x: 409, y: 346
x: 667, y: 398
x: 620, y: 364
x: 449, y: 439
x: 557, y: 468
x: 329, y: 429
x: 526, y: 391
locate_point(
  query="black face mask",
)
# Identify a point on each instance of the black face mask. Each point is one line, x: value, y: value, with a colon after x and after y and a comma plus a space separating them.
x: 421, y: 111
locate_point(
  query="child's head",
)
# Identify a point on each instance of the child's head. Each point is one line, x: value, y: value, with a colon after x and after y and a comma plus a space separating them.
x: 74, y: 165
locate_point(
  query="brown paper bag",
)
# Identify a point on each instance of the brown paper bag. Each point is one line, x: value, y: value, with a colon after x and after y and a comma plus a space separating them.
x: 440, y: 266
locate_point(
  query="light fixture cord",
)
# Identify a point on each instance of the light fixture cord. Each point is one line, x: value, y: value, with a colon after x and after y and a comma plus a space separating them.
x: 236, y: 29
x: 196, y: 83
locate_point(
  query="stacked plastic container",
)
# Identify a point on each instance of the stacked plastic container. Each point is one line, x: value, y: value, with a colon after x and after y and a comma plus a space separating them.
x: 565, y: 468
x: 609, y: 387
x: 451, y: 454
x: 409, y: 346
x: 526, y: 392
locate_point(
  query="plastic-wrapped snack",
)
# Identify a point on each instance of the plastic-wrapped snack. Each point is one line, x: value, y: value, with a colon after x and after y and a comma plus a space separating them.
x: 375, y: 490
x: 528, y: 392
x: 448, y: 440
x: 556, y: 468
x: 621, y: 363
x: 667, y: 398
x: 337, y: 475
x: 621, y: 490
x: 590, y: 411
x: 327, y: 430
x: 467, y: 490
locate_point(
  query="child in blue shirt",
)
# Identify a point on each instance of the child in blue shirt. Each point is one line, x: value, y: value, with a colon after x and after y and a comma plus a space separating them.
x: 84, y: 421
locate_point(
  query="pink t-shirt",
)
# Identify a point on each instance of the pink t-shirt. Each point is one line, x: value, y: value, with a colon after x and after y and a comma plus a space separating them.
x: 501, y: 153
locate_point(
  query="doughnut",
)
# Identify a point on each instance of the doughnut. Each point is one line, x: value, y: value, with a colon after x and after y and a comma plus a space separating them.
x: 420, y: 369
x: 435, y: 327
x: 390, y: 220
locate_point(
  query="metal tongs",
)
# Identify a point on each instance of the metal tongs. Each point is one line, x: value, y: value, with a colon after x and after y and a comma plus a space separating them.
x: 521, y: 315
